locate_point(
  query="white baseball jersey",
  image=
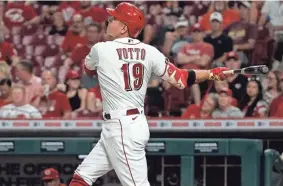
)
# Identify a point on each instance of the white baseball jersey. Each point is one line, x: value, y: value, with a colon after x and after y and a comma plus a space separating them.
x: 124, y: 67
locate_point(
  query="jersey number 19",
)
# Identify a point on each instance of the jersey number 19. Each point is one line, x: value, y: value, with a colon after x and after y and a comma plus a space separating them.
x: 138, y: 73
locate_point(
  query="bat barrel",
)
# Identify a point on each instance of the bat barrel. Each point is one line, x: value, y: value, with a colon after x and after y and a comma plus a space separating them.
x: 252, y: 70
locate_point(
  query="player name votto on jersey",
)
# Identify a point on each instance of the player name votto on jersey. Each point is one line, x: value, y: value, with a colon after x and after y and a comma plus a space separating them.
x: 131, y: 53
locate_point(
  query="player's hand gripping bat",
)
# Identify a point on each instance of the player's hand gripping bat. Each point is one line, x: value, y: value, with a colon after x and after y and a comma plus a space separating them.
x: 252, y: 70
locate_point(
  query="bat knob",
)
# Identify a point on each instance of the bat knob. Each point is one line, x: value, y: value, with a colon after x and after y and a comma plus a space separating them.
x: 264, y: 69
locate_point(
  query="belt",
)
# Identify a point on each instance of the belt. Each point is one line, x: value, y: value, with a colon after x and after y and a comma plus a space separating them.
x: 128, y: 113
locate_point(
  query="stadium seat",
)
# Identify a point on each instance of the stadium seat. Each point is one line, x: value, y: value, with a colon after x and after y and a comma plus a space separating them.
x: 29, y: 30
x: 27, y: 40
x: 8, y: 38
x: 39, y: 39
x: 17, y: 39
x: 264, y: 48
x: 20, y: 49
x: 59, y: 40
x: 175, y: 100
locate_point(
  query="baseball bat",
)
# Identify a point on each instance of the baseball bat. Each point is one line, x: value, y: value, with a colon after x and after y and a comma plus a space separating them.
x: 252, y: 70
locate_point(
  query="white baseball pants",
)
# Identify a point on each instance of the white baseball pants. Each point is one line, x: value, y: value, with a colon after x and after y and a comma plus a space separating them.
x: 122, y: 148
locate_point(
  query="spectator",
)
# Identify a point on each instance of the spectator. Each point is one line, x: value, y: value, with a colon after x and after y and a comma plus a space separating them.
x: 92, y: 14
x: 51, y: 102
x: 18, y: 14
x: 237, y: 82
x: 273, y: 86
x: 77, y: 56
x: 50, y: 177
x: 32, y: 83
x: 68, y: 9
x: 18, y: 108
x: 256, y: 11
x: 220, y: 41
x: 229, y: 15
x: 194, y: 10
x: 5, y: 92
x: 181, y: 30
x: 225, y: 108
x: 219, y: 86
x: 272, y: 10
x: 254, y: 105
x: 243, y: 33
x: 203, y: 111
x: 154, y: 81
x: 80, y: 51
x: 150, y: 30
x: 197, y: 54
x: 177, y: 38
x: 7, y: 51
x: 275, y: 110
x: 167, y: 34
x: 58, y: 26
x: 279, y: 112
x: 5, y: 70
x: 75, y: 94
x: 75, y: 35
x: 94, y: 100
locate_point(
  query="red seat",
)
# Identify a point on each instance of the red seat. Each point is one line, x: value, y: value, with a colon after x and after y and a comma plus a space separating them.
x: 39, y: 39
x: 27, y: 40
x: 49, y: 62
x: 175, y: 100
x: 59, y: 40
x: 17, y: 40
x: 51, y: 50
x: 50, y: 40
x: 20, y: 49
x: 39, y: 50
x: 264, y: 48
x: 15, y: 30
x: 29, y: 50
x: 8, y: 38
x: 29, y: 30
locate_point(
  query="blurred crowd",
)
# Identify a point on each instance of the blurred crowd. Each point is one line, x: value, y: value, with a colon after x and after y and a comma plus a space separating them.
x: 43, y: 45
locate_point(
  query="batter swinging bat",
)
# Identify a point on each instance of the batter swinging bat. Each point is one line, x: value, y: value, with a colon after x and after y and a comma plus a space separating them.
x: 252, y: 70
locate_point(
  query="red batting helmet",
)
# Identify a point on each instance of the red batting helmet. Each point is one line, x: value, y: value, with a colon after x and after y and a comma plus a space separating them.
x: 131, y: 16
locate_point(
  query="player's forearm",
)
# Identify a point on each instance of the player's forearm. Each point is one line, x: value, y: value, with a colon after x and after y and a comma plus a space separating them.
x: 201, y: 75
x: 198, y: 76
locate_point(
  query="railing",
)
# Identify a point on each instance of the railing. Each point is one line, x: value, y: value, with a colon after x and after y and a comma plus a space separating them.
x: 155, y: 124
x: 188, y: 149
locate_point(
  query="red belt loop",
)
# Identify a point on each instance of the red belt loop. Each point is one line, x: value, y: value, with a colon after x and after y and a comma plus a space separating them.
x: 132, y: 111
x: 128, y: 113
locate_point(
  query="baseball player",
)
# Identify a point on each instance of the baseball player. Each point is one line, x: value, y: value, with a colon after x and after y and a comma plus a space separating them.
x: 124, y: 67
x: 51, y: 177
